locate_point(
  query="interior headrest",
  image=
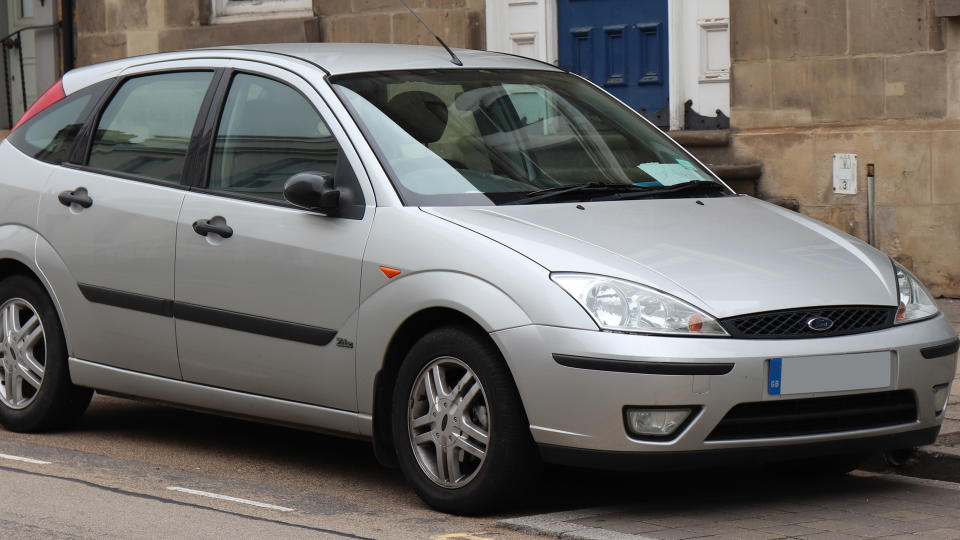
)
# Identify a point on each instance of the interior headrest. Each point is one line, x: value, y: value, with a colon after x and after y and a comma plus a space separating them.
x: 421, y: 114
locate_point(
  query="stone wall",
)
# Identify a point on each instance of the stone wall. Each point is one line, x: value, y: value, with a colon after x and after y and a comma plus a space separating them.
x: 110, y: 29
x: 814, y: 77
x: 459, y: 22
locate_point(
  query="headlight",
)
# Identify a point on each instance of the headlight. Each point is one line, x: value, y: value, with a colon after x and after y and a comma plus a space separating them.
x: 623, y: 306
x: 916, y: 303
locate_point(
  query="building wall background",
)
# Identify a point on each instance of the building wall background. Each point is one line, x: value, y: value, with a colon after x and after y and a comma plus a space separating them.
x: 111, y: 29
x: 459, y: 22
x: 879, y: 79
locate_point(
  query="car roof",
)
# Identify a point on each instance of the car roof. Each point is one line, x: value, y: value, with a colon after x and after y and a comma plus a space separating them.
x: 338, y: 58
x: 334, y: 58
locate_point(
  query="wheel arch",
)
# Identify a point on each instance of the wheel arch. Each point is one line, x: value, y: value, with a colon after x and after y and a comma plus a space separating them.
x: 411, y: 330
x: 387, y: 332
x: 22, y: 252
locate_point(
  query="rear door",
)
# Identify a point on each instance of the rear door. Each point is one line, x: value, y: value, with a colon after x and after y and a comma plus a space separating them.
x: 112, y: 220
x: 269, y: 306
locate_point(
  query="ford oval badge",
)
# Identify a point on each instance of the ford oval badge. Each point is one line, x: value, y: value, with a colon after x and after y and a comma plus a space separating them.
x: 819, y: 324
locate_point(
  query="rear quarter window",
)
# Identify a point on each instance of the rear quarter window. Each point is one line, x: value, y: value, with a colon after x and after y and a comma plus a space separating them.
x: 49, y: 136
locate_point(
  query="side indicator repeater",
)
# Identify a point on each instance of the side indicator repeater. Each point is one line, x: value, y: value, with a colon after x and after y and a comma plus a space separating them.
x: 389, y: 272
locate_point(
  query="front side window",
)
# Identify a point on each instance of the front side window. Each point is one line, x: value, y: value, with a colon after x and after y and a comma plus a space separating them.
x: 146, y: 127
x: 481, y: 137
x: 268, y: 132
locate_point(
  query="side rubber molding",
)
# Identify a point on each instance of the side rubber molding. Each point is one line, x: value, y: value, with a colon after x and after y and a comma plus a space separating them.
x: 696, y: 459
x: 646, y: 368
x: 253, y: 324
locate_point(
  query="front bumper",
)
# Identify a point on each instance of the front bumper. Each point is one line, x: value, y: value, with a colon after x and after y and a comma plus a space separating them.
x: 573, y: 409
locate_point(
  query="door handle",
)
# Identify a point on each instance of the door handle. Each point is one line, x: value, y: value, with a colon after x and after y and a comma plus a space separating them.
x: 217, y: 225
x: 78, y: 196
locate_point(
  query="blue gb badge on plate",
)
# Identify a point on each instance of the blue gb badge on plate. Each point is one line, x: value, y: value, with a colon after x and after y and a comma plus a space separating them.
x: 773, y: 381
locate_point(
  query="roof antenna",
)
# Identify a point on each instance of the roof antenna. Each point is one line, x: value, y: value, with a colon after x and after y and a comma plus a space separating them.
x: 453, y: 57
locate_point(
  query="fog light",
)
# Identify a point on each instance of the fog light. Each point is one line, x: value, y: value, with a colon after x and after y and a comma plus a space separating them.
x: 655, y: 422
x: 940, y: 394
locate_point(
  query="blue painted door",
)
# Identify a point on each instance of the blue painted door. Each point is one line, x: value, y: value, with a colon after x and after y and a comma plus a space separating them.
x: 622, y: 46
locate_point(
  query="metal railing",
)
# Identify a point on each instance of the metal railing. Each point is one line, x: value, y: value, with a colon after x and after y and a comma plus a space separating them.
x: 14, y: 41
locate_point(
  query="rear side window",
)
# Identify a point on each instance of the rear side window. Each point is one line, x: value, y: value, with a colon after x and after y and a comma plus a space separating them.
x: 49, y: 136
x: 146, y: 127
x: 268, y: 133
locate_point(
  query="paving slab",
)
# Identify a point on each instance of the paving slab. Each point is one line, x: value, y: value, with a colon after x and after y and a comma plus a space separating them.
x: 857, y: 505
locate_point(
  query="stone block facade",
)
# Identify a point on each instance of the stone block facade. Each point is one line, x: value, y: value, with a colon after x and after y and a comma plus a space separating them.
x: 110, y: 29
x: 811, y: 78
x: 459, y: 22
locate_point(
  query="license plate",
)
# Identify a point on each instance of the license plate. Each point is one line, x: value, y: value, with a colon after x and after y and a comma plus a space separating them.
x: 829, y: 373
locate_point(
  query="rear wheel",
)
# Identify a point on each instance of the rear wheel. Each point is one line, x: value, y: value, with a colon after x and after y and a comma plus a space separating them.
x: 460, y: 432
x: 35, y: 389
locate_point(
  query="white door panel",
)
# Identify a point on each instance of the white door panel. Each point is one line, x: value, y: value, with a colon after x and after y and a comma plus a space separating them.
x: 699, y: 57
x: 523, y: 27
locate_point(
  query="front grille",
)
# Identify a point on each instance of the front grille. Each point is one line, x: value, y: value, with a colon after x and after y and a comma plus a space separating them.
x: 811, y: 416
x: 792, y: 323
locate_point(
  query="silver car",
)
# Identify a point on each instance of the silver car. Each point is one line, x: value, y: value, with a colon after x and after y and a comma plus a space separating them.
x: 478, y: 267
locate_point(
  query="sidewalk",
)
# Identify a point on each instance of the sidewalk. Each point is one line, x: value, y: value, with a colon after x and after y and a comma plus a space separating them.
x: 855, y: 506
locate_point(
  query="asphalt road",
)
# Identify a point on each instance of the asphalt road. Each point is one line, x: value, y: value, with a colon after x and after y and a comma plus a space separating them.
x: 124, y: 472
x: 140, y: 470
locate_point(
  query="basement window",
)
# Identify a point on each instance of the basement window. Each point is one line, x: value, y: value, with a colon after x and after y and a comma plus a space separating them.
x: 246, y: 10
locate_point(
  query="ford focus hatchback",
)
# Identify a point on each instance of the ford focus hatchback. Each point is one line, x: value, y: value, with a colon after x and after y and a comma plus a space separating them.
x: 479, y: 267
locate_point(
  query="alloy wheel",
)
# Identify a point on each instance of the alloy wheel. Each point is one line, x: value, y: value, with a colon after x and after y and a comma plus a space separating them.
x: 22, y: 353
x: 448, y: 422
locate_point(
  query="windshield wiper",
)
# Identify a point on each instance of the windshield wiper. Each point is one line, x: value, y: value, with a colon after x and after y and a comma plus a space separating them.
x: 705, y: 187
x: 590, y: 189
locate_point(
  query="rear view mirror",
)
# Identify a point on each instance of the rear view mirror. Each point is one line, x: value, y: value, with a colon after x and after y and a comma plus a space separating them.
x: 314, y: 191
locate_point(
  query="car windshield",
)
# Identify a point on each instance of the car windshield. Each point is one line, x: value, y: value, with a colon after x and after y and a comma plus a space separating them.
x: 482, y: 137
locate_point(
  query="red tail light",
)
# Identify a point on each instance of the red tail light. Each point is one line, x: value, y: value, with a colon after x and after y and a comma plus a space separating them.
x: 52, y: 95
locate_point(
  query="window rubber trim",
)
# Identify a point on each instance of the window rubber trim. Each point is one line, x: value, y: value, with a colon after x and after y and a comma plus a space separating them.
x: 231, y: 320
x: 127, y: 176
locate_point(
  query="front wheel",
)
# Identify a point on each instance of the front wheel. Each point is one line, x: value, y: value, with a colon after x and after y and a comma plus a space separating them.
x: 461, y: 435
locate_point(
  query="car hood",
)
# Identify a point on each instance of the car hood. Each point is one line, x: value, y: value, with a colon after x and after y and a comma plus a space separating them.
x: 728, y: 255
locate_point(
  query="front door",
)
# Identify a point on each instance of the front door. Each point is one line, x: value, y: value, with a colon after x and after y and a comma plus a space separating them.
x: 266, y: 293
x: 620, y: 45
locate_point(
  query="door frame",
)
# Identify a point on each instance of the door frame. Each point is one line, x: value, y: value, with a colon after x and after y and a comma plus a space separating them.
x: 675, y: 30
x: 497, y: 10
x: 500, y: 41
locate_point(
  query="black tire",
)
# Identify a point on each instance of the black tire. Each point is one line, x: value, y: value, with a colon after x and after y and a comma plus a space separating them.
x: 58, y: 402
x: 510, y: 460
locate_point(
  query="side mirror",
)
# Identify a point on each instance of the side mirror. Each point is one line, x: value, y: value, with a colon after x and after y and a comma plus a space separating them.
x: 313, y: 191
